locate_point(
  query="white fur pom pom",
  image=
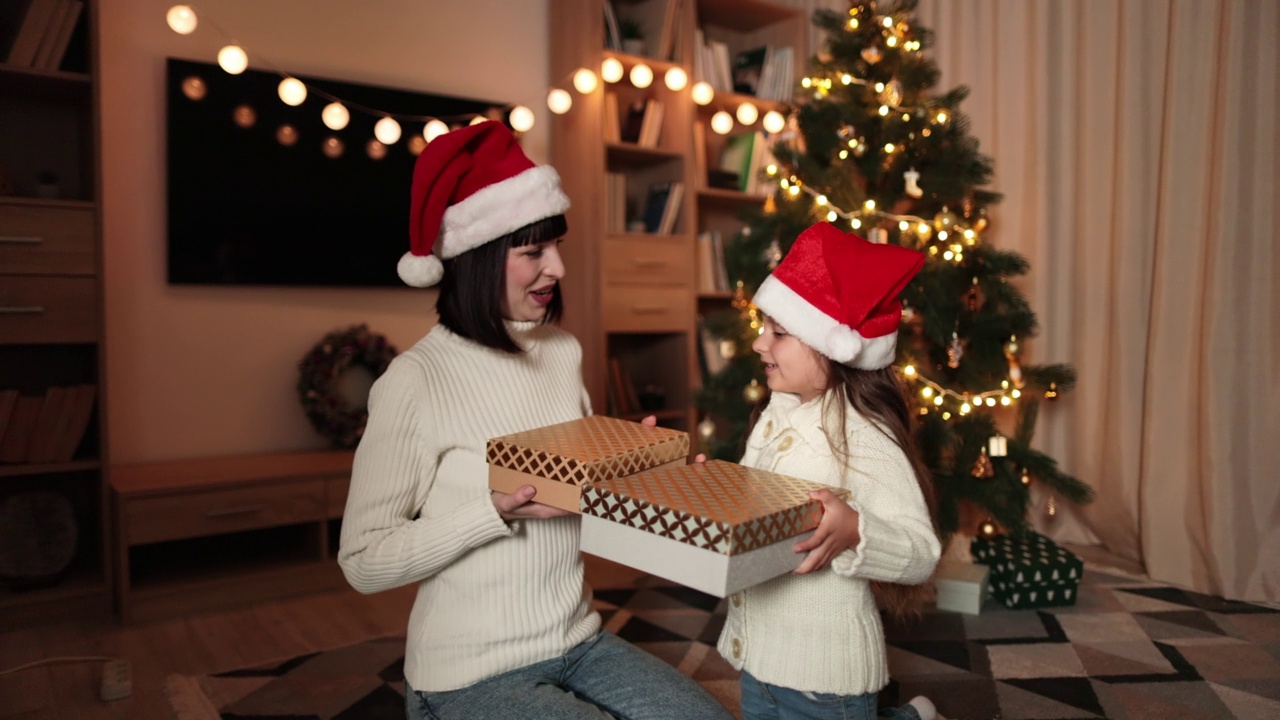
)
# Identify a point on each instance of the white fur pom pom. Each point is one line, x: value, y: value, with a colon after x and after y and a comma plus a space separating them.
x: 420, y: 270
x: 842, y: 344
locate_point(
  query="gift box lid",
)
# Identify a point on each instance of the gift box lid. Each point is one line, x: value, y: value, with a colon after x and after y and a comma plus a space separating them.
x: 719, y: 506
x: 1027, y: 558
x: 587, y: 450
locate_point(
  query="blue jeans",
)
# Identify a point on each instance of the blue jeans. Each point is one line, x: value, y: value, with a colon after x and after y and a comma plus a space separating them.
x: 762, y: 701
x: 602, y: 675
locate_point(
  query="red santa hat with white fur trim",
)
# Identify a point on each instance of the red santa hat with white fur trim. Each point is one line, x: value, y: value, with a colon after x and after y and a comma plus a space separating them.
x: 470, y: 186
x: 838, y: 293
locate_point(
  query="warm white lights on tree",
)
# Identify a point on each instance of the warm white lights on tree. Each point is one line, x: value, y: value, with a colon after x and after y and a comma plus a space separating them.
x: 434, y: 129
x: 559, y: 101
x: 521, y: 119
x: 774, y: 122
x: 181, y: 19
x: 641, y: 75
x: 703, y: 93
x: 722, y: 122
x: 335, y: 116
x: 748, y: 113
x: 676, y: 79
x: 292, y: 91
x: 584, y: 81
x: 387, y: 130
x: 611, y: 70
x: 477, y: 120
x: 233, y: 59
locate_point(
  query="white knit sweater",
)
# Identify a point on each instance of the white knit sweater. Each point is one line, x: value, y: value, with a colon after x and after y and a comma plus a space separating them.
x: 492, y: 596
x: 821, y: 632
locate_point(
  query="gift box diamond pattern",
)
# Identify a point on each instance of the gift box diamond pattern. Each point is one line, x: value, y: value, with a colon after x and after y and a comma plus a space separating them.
x: 580, y: 452
x: 717, y: 506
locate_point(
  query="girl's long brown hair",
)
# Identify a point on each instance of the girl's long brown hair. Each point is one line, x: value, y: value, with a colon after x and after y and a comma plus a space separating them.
x: 879, y: 396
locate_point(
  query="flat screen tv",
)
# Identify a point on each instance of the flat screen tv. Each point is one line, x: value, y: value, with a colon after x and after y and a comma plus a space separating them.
x: 262, y: 193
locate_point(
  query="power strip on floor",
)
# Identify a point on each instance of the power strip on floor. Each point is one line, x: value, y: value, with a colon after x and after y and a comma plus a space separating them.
x: 117, y: 680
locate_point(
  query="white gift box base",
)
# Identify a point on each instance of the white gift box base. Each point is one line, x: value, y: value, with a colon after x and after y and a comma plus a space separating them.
x: 962, y: 586
x: 705, y: 570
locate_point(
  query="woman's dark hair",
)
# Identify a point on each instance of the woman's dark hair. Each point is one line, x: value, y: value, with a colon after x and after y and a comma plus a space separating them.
x: 879, y: 396
x: 471, y: 291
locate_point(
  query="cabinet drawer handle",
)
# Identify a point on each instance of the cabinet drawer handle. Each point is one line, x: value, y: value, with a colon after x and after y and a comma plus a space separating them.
x: 14, y: 240
x: 648, y: 309
x: 648, y: 264
x: 247, y: 509
x: 21, y: 309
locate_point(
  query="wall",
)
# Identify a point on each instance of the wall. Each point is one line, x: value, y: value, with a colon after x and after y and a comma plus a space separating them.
x: 195, y: 372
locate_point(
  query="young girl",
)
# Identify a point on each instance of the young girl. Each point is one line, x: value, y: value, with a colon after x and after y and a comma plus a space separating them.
x: 811, y: 645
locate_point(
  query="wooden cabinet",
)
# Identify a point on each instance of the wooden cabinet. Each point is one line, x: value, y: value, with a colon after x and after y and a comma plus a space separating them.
x: 51, y: 350
x: 196, y: 535
x: 634, y: 298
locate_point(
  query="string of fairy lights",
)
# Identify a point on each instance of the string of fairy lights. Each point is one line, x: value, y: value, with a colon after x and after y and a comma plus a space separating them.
x: 233, y: 58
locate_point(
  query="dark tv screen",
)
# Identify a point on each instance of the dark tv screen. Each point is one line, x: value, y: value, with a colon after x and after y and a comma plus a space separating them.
x: 246, y: 208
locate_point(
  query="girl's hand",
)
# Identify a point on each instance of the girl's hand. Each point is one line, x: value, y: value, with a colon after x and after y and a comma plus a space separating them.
x: 652, y: 421
x: 519, y: 505
x: 837, y: 532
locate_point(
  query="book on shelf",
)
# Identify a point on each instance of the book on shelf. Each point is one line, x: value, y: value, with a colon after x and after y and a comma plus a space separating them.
x: 73, y: 423
x: 662, y: 206
x: 35, y: 24
x: 745, y: 154
x: 17, y: 433
x: 612, y: 121
x: 713, y: 275
x: 651, y: 124
x: 764, y: 72
x: 700, y: 154
x: 747, y: 68
x: 612, y: 38
x: 633, y: 120
x: 51, y: 59
x: 615, y: 202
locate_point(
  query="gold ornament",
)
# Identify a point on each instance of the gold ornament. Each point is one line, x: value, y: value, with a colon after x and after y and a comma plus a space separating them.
x: 1052, y: 392
x: 973, y: 299
x: 1015, y: 370
x: 1051, y: 507
x: 872, y: 54
x: 706, y: 428
x: 1026, y: 477
x: 944, y: 220
x: 983, y: 467
x: 981, y: 223
x: 892, y: 93
x: 770, y: 206
x: 988, y: 528
x: 753, y: 392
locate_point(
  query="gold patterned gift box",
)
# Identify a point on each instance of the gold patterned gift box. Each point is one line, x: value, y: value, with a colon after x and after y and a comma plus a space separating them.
x: 559, y: 460
x: 717, y: 527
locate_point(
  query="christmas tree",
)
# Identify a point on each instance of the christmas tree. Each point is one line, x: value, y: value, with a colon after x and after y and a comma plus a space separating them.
x: 874, y: 150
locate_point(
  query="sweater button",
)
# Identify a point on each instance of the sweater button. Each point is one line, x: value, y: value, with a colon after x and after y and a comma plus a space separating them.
x: 737, y: 648
x: 768, y: 429
x: 736, y: 599
x: 785, y: 445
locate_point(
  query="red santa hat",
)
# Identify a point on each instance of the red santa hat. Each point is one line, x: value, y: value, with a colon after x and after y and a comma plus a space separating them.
x: 471, y: 186
x: 838, y: 294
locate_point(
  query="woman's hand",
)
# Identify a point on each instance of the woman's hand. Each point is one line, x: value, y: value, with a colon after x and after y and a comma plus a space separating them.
x: 519, y: 505
x: 652, y: 421
x: 837, y: 532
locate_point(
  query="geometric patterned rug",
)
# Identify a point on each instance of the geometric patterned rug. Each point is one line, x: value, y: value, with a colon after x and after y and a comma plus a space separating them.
x: 1130, y: 649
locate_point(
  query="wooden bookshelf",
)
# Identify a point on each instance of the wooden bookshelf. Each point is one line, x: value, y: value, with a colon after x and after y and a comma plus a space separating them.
x: 635, y: 296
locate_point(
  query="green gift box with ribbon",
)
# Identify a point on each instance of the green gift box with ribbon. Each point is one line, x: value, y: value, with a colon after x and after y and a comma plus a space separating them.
x: 1028, y: 570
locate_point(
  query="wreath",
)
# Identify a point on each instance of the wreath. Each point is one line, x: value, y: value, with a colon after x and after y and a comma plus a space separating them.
x: 330, y: 414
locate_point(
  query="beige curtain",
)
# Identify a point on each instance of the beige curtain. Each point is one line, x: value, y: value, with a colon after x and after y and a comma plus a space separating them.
x: 1135, y: 141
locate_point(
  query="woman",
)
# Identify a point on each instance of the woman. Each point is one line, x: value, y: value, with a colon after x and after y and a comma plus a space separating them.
x: 502, y: 625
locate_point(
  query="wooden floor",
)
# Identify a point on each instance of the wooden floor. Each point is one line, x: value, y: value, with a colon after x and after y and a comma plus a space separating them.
x: 195, y: 645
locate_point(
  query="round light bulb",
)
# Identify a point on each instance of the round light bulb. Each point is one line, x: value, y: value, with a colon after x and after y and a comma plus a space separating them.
x: 748, y: 113
x: 194, y: 88
x: 287, y: 135
x: 332, y: 147
x: 375, y: 149
x: 244, y: 116
x: 417, y: 144
x: 641, y: 75
x: 233, y: 59
x: 434, y: 129
x: 477, y: 120
x: 559, y: 101
x: 292, y: 91
x: 774, y: 122
x: 722, y: 122
x: 702, y: 93
x: 676, y: 79
x: 387, y: 130
x: 584, y: 81
x: 181, y: 19
x: 521, y: 119
x: 335, y: 116
x: 611, y: 70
